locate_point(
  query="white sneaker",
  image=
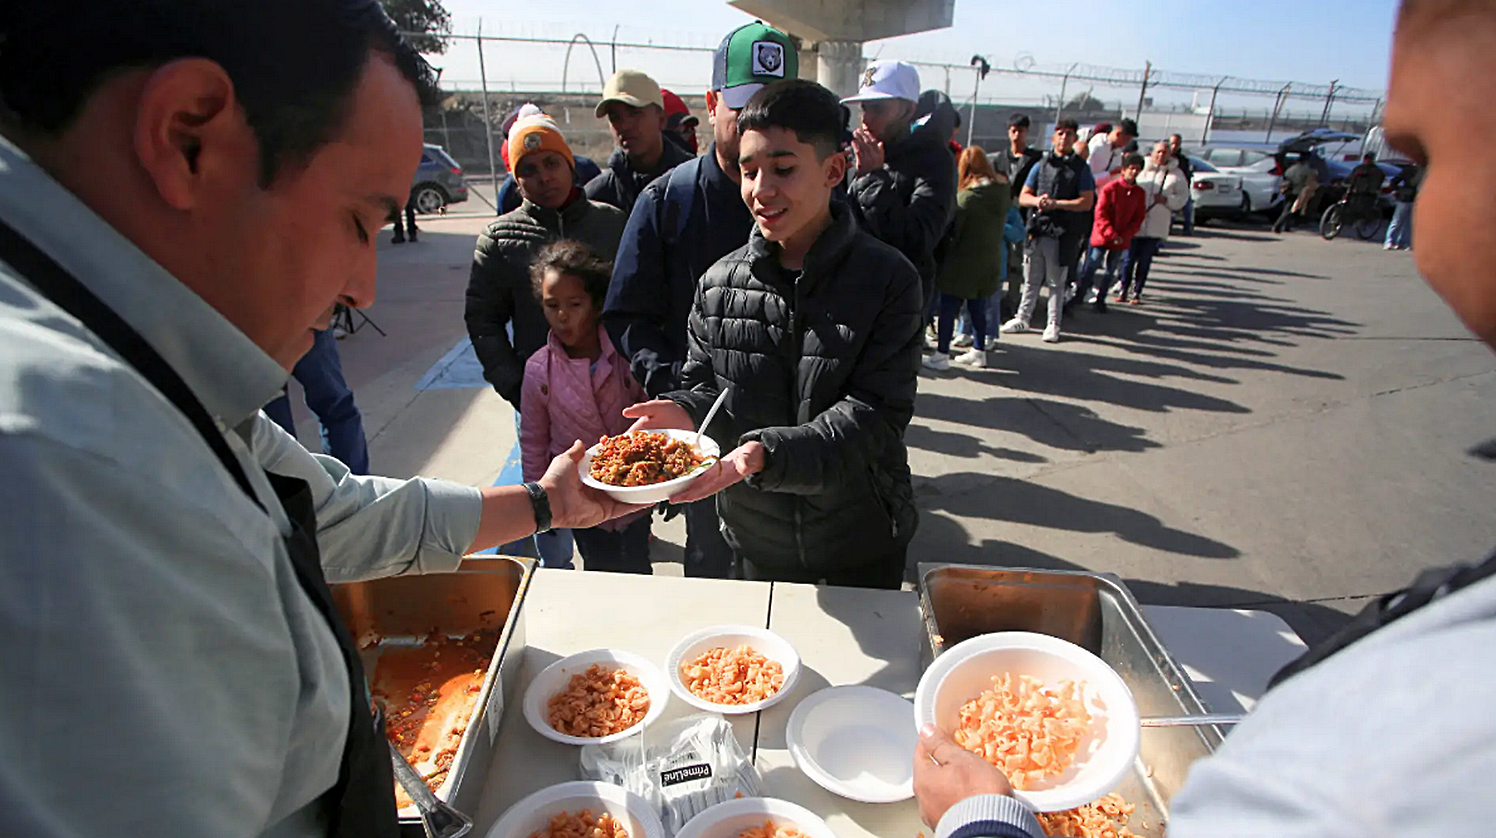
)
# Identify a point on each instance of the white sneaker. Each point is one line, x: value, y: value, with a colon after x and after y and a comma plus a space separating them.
x: 1014, y: 327
x: 973, y: 358
x: 1052, y: 334
x: 962, y: 341
x: 938, y: 361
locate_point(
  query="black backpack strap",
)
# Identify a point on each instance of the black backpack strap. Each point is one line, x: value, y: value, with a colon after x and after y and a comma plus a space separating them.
x: 58, y: 285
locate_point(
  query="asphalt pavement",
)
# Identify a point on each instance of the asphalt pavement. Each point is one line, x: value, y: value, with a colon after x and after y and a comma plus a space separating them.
x: 1287, y: 423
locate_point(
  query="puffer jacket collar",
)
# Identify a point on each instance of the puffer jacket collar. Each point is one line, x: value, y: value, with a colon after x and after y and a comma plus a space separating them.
x: 558, y: 220
x: 829, y: 250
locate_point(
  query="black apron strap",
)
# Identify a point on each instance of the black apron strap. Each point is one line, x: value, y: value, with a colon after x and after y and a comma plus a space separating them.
x: 362, y: 802
x: 65, y: 291
x: 1428, y: 587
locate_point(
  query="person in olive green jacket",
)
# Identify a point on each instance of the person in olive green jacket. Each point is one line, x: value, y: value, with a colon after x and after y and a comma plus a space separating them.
x: 971, y: 271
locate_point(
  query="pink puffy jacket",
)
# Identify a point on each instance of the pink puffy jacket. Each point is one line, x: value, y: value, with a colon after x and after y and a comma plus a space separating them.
x: 566, y: 399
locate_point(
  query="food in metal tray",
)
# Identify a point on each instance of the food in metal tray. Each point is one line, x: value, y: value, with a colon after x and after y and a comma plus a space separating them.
x: 1026, y: 729
x: 771, y: 830
x: 582, y: 825
x: 599, y: 702
x: 643, y: 459
x: 736, y: 676
x: 428, y: 693
x: 1105, y: 818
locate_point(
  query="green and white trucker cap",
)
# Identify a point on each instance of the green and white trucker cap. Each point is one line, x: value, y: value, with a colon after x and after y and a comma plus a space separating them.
x: 750, y: 57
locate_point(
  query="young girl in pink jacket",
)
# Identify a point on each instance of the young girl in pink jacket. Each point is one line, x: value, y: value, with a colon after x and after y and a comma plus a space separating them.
x: 575, y: 388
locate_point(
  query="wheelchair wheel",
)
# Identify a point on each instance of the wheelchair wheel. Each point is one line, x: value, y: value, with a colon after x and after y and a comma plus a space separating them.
x: 1368, y: 225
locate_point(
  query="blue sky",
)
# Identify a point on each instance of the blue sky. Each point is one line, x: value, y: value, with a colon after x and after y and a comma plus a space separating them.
x: 1308, y: 40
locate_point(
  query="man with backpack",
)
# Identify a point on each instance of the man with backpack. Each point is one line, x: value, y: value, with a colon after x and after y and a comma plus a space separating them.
x: 681, y: 225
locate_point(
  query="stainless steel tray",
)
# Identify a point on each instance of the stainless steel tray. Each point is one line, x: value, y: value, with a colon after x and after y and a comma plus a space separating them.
x: 1098, y: 613
x: 486, y: 593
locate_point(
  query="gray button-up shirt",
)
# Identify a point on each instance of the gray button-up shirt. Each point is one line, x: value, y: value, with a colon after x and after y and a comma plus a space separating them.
x: 161, y: 671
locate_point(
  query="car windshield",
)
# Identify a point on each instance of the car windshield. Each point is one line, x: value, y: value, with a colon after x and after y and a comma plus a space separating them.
x: 440, y: 155
x: 1202, y: 166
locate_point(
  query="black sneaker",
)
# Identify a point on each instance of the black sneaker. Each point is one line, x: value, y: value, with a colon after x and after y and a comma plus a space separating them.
x: 1100, y: 305
x: 398, y: 239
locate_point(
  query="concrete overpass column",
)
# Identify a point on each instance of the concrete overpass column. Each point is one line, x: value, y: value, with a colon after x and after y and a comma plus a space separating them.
x: 839, y: 66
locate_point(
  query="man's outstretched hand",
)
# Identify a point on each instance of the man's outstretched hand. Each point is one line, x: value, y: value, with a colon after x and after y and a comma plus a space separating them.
x: 575, y: 505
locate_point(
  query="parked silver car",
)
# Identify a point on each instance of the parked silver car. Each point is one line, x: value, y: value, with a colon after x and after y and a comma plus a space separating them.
x: 438, y: 181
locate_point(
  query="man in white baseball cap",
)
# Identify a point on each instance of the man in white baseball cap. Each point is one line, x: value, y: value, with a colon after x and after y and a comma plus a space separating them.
x: 905, y: 187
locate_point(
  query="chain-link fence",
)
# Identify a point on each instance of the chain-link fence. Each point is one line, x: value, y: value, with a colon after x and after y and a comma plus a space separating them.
x: 487, y: 77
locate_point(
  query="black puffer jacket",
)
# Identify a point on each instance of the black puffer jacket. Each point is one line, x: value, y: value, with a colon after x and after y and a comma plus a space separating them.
x: 499, y: 288
x: 823, y: 370
x: 619, y: 185
x: 911, y: 201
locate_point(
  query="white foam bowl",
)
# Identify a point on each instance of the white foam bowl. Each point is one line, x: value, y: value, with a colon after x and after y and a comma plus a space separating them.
x: 654, y: 492
x: 726, y: 820
x: 554, y: 679
x: 1105, y: 755
x: 763, y: 641
x: 535, y: 812
x: 856, y: 742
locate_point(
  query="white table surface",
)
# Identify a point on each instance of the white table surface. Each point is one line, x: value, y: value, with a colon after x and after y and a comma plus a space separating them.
x: 843, y: 635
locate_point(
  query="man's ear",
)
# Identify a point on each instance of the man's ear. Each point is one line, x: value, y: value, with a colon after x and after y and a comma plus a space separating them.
x: 711, y: 106
x: 835, y: 167
x: 189, y: 129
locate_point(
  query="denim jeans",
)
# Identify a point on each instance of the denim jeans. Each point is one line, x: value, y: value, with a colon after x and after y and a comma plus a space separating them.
x: 1137, y: 264
x: 616, y: 551
x: 949, y: 306
x: 1400, y: 231
x: 553, y: 548
x: 1097, y: 258
x: 320, y: 372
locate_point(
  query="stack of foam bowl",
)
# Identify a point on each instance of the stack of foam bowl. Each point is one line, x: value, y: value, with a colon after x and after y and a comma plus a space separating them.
x: 762, y: 641
x: 554, y: 679
x: 728, y: 820
x: 1105, y: 754
x: 534, y: 813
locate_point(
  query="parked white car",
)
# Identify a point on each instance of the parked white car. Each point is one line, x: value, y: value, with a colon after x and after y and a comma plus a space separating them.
x: 1258, y: 178
x: 1217, y: 194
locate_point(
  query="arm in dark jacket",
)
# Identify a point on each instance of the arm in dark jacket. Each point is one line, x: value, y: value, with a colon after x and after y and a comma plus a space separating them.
x: 698, y: 380
x: 916, y: 228
x: 490, y: 307
x: 836, y: 446
x: 639, y: 297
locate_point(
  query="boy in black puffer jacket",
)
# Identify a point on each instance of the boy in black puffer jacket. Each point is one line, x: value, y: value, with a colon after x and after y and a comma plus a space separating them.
x: 815, y: 326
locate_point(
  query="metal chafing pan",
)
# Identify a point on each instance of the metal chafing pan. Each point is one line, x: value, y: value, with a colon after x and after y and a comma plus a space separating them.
x: 1098, y: 613
x: 484, y: 593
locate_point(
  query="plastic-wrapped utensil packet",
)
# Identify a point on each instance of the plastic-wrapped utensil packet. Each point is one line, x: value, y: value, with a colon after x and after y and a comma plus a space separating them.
x: 682, y: 769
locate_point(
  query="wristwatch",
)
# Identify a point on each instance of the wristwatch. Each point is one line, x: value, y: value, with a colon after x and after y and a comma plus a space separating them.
x: 541, y: 503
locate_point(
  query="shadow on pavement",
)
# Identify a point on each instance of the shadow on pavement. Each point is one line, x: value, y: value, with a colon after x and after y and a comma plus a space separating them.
x: 972, y: 495
x: 1059, y: 425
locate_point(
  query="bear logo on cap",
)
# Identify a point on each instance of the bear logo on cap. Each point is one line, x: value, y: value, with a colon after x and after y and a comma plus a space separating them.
x: 768, y: 59
x: 867, y: 76
x: 533, y: 141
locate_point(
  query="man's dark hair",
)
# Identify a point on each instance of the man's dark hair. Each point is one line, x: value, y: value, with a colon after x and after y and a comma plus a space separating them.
x: 1133, y: 159
x: 1129, y: 127
x: 1369, y: 157
x: 1018, y: 120
x: 798, y: 105
x: 294, y: 63
x: 1067, y: 123
x: 573, y: 258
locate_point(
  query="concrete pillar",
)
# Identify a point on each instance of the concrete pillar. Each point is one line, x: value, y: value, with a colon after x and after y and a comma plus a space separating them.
x: 839, y: 66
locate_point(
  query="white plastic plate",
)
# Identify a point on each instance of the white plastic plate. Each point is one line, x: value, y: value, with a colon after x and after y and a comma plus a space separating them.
x: 654, y: 492
x: 726, y: 820
x: 857, y: 742
x: 535, y: 812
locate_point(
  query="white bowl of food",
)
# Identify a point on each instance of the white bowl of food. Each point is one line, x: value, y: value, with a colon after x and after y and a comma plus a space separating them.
x: 555, y: 812
x: 1081, y: 758
x: 559, y: 701
x: 856, y: 742
x: 733, y: 669
x: 644, y: 467
x: 755, y: 817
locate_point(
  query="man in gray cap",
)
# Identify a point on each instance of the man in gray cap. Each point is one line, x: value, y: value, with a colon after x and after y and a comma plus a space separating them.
x: 635, y: 109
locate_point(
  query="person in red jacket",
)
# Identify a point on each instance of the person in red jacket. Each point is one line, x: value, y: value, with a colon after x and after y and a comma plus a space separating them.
x: 1121, y: 206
